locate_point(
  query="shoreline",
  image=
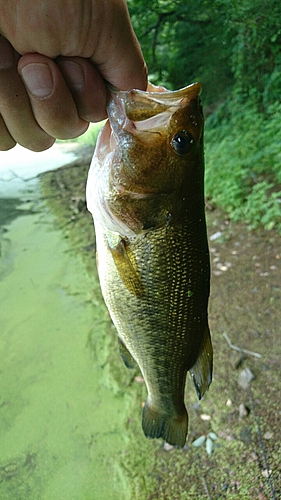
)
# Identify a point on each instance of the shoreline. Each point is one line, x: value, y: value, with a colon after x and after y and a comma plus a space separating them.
x: 62, y: 425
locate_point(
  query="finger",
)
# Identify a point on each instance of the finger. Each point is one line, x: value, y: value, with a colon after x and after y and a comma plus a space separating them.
x: 87, y: 87
x: 6, y: 140
x: 17, y: 119
x: 118, y: 55
x: 53, y: 106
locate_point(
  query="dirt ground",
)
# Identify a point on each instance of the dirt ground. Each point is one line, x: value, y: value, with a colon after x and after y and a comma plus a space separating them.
x: 245, y: 315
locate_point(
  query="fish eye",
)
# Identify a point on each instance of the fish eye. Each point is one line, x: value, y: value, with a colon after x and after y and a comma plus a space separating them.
x: 182, y: 143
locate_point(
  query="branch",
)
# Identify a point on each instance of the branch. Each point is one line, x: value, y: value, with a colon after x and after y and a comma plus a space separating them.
x: 239, y: 349
x: 162, y: 16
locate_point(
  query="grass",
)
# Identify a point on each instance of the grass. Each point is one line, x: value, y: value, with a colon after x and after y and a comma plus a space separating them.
x: 243, y: 164
x: 90, y: 136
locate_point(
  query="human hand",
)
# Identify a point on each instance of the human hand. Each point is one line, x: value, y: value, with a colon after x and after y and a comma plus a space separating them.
x: 55, y: 57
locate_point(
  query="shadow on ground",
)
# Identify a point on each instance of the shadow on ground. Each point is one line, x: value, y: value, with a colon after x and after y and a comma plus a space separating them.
x: 9, y: 210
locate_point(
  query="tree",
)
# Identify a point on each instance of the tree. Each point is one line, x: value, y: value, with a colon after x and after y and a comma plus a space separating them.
x: 228, y: 45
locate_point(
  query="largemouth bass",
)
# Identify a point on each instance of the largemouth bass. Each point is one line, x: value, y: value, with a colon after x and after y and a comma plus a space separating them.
x: 146, y: 192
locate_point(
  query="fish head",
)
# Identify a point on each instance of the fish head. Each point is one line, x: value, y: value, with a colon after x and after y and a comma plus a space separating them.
x: 155, y: 151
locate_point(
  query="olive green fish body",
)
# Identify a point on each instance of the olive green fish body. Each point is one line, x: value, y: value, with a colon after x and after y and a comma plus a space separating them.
x: 153, y: 258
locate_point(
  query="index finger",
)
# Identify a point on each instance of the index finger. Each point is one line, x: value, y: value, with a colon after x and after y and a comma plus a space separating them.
x: 118, y: 55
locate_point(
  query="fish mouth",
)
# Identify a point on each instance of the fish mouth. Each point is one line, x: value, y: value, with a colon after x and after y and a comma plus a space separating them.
x: 138, y: 110
x: 136, y: 98
x: 161, y: 97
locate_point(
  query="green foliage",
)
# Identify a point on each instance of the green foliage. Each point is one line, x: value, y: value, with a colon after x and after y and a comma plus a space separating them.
x: 229, y: 45
x: 256, y: 40
x: 261, y: 207
x: 91, y: 135
x: 183, y: 41
x: 243, y: 164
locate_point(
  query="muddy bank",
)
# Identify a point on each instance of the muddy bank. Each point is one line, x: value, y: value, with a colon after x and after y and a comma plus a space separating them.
x: 245, y: 304
x: 62, y: 416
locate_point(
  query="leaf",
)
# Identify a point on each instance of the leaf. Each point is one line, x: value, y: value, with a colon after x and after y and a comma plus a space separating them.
x: 199, y: 441
x: 213, y: 436
x: 209, y: 445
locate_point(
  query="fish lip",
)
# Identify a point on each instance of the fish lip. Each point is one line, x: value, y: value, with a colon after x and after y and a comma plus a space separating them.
x: 124, y: 105
x: 173, y: 97
x: 163, y: 94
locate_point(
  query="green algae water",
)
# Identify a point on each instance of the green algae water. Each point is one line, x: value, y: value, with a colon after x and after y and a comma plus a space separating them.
x: 62, y: 428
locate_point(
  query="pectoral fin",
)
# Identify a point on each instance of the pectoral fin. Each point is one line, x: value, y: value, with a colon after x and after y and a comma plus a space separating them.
x: 126, y: 270
x: 128, y: 359
x: 201, y: 371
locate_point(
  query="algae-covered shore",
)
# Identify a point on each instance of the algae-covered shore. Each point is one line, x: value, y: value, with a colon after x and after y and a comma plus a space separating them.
x: 82, y: 431
x: 62, y: 421
x: 245, y: 305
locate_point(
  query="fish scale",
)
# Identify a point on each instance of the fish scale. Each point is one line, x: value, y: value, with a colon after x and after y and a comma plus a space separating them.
x: 155, y: 281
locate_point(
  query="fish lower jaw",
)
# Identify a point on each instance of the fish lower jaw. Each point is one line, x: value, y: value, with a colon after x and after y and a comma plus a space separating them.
x: 159, y: 422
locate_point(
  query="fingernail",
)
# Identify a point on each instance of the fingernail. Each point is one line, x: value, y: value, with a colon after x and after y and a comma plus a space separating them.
x: 38, y: 79
x: 73, y: 74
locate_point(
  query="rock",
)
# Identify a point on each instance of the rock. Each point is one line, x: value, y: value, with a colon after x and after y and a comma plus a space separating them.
x: 266, y: 473
x: 215, y: 236
x: 205, y: 417
x: 268, y: 435
x: 243, y: 411
x: 245, y: 377
x: 168, y: 447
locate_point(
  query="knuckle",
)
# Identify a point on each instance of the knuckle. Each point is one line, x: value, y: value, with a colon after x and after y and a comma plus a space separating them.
x: 6, y: 140
x: 6, y: 145
x: 38, y: 144
x: 70, y: 132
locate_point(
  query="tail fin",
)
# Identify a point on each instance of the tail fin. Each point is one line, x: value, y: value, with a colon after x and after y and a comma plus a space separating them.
x: 157, y: 423
x: 201, y: 371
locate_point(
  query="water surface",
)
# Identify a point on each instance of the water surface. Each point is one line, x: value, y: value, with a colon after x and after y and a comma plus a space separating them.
x: 62, y: 428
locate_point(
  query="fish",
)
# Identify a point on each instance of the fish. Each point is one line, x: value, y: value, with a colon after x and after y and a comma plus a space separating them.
x: 145, y: 190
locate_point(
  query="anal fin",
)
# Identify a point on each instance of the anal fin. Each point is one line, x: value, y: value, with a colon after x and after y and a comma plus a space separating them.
x: 201, y: 371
